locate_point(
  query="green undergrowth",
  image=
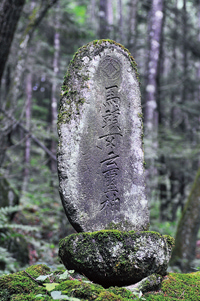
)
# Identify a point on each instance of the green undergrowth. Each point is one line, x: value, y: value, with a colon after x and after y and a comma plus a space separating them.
x: 177, y: 286
x: 57, y: 285
x: 40, y: 283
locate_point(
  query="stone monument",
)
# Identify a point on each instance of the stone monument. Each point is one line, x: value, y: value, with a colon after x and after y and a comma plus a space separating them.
x: 100, y: 155
x: 101, y: 169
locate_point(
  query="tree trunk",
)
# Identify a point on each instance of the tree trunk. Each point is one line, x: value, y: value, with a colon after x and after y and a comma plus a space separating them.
x: 155, y: 27
x: 103, y: 26
x: 132, y: 26
x: 28, y: 126
x: 186, y: 235
x: 54, y: 97
x: 120, y: 22
x: 155, y: 32
x: 185, y: 56
x: 12, y: 96
x: 10, y: 11
x: 105, y: 19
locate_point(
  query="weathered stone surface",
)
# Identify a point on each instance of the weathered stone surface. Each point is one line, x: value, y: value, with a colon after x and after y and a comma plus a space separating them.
x: 117, y: 258
x: 148, y: 284
x: 100, y: 155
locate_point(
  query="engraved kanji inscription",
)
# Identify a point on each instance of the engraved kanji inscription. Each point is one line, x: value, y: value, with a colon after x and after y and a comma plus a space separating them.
x: 110, y: 113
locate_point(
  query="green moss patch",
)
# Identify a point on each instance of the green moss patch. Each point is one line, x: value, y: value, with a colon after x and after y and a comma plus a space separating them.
x: 20, y: 287
x: 178, y: 287
x: 21, y: 283
x: 91, y: 291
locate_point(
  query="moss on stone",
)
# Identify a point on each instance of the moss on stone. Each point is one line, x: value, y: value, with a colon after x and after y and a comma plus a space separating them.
x: 122, y: 226
x: 113, y: 257
x: 178, y: 287
x: 170, y: 240
x: 74, y: 72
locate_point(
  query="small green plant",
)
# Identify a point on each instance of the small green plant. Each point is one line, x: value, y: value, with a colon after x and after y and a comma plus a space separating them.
x: 137, y: 293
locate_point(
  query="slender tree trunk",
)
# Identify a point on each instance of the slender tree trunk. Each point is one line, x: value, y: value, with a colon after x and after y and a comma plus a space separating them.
x: 174, y: 110
x: 198, y: 71
x: 186, y: 235
x: 162, y: 169
x: 92, y: 11
x: 103, y: 25
x: 28, y: 126
x: 155, y: 32
x: 54, y: 96
x: 155, y: 27
x: 175, y: 118
x: 132, y: 33
x: 120, y: 21
x: 185, y: 56
x: 105, y: 19
x: 184, y: 125
x: 110, y: 17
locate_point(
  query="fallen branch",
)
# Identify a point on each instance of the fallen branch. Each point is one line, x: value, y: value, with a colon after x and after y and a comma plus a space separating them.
x: 37, y: 281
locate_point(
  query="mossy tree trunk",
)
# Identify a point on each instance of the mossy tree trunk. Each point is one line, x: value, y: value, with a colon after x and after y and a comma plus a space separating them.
x: 9, y: 15
x: 186, y: 236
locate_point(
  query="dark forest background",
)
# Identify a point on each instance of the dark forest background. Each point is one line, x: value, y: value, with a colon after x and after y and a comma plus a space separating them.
x: 38, y: 39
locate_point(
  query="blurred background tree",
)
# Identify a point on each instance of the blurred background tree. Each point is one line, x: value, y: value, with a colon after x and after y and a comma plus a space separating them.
x: 38, y: 39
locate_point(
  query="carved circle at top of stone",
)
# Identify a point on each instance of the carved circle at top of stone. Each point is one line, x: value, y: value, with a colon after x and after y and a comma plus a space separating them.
x: 110, y: 68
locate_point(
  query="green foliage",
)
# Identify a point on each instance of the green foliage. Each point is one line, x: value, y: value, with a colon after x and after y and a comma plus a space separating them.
x: 79, y: 11
x: 7, y: 262
x: 7, y: 231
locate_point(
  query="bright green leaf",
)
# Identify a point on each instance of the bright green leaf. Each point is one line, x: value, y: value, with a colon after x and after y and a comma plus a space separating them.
x: 65, y: 275
x: 50, y: 286
x: 43, y: 277
x: 57, y: 295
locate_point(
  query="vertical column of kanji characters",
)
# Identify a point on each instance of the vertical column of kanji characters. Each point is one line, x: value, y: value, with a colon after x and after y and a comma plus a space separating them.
x: 111, y: 136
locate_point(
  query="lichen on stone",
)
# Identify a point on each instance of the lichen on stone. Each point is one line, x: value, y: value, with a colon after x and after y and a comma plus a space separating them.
x: 113, y: 257
x: 77, y: 75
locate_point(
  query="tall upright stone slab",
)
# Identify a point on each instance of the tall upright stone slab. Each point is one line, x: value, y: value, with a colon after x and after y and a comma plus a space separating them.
x: 100, y: 155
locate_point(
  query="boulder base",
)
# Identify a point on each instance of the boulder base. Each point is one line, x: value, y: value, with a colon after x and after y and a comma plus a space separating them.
x: 112, y: 257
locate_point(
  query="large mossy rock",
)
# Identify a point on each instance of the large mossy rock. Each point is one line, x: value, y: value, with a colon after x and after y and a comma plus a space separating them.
x: 112, y: 257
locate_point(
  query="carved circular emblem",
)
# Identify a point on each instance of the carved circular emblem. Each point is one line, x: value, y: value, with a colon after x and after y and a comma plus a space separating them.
x: 110, y: 68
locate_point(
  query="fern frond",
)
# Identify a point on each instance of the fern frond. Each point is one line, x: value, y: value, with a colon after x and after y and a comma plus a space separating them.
x: 21, y: 227
x: 6, y: 257
x: 5, y: 211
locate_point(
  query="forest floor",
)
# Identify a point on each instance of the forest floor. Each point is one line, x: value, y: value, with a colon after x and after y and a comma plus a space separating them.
x: 38, y: 282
